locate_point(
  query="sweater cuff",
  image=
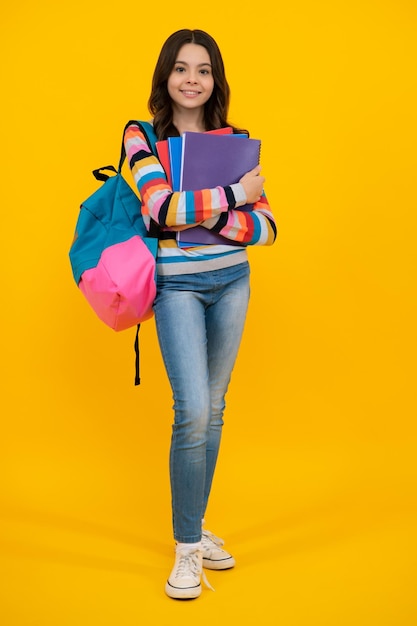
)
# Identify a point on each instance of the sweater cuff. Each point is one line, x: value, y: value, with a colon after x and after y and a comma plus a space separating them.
x: 239, y: 194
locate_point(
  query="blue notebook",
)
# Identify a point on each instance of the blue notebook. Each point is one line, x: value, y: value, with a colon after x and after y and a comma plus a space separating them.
x: 175, y: 157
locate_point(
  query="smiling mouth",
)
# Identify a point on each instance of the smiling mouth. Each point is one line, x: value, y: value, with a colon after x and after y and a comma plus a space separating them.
x: 187, y: 92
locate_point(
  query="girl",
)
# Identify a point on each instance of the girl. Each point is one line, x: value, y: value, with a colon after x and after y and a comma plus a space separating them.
x: 203, y: 290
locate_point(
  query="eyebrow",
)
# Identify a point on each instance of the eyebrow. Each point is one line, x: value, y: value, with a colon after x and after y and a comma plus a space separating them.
x: 199, y: 65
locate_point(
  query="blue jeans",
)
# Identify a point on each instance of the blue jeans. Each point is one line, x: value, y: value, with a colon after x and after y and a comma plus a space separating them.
x: 199, y: 320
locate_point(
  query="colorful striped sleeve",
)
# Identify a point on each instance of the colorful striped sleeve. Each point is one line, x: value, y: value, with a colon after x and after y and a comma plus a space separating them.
x: 159, y: 202
x: 256, y: 227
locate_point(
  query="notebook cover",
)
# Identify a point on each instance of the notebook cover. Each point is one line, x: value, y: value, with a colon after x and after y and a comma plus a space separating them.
x: 227, y: 130
x: 215, y: 160
x: 200, y: 236
x: 163, y: 155
x: 170, y: 155
x: 211, y: 162
x: 163, y: 151
x: 175, y: 159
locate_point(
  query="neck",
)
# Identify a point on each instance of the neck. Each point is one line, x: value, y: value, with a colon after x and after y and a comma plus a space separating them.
x: 192, y: 121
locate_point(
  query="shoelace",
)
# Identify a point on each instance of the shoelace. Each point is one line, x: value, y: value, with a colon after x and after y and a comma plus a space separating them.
x: 189, y: 562
x: 209, y: 538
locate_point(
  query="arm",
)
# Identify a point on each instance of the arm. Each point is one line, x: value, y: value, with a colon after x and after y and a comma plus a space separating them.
x: 160, y: 203
x: 256, y: 227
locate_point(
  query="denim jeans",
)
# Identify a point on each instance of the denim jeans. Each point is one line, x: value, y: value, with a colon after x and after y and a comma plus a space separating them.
x: 199, y: 320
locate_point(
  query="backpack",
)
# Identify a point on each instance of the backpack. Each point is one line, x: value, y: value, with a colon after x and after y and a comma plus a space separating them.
x: 113, y: 256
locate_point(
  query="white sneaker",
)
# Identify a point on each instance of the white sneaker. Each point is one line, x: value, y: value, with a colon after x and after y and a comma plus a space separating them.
x: 214, y: 557
x: 184, y: 582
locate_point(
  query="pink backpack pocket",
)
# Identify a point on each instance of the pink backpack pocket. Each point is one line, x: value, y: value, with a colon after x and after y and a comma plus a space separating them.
x: 121, y: 288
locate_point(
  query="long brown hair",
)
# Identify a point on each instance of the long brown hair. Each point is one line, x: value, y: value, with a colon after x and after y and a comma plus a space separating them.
x: 159, y: 104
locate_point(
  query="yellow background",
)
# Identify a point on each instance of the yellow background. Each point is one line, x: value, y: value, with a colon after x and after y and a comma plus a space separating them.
x: 316, y: 485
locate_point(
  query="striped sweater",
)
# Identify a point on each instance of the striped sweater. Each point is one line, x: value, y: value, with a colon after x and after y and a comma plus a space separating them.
x: 216, y: 209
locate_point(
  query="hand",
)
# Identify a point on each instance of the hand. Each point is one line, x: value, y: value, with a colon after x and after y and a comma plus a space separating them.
x: 253, y: 184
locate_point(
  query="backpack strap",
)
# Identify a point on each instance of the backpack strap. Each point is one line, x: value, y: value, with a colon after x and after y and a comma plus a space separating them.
x: 148, y: 131
x: 151, y: 138
x: 154, y: 230
x: 137, y: 357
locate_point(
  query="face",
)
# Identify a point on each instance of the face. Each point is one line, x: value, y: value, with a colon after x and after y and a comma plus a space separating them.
x: 191, y: 82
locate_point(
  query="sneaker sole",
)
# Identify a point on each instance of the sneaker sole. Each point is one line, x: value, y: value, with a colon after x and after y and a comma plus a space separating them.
x: 221, y: 564
x: 179, y: 593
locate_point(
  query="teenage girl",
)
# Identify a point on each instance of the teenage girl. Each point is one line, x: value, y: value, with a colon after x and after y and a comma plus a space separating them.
x: 203, y: 290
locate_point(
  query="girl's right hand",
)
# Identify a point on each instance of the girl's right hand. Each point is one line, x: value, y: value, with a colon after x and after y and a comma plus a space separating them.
x: 253, y: 184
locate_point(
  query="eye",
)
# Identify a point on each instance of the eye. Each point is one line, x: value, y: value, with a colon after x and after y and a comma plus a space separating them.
x: 204, y: 72
x: 179, y: 69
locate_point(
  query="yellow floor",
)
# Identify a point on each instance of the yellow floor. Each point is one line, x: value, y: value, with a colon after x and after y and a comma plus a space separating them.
x: 322, y: 536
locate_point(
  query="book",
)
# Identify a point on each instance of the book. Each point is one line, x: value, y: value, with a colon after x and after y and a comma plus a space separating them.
x: 211, y: 161
x: 227, y: 130
x: 163, y: 151
x: 163, y: 156
x: 175, y: 159
x: 171, y: 155
x: 216, y: 160
x: 200, y: 236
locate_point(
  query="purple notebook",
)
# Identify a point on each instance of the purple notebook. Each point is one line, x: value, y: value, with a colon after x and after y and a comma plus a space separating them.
x: 200, y: 236
x: 209, y: 161
x: 212, y: 160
